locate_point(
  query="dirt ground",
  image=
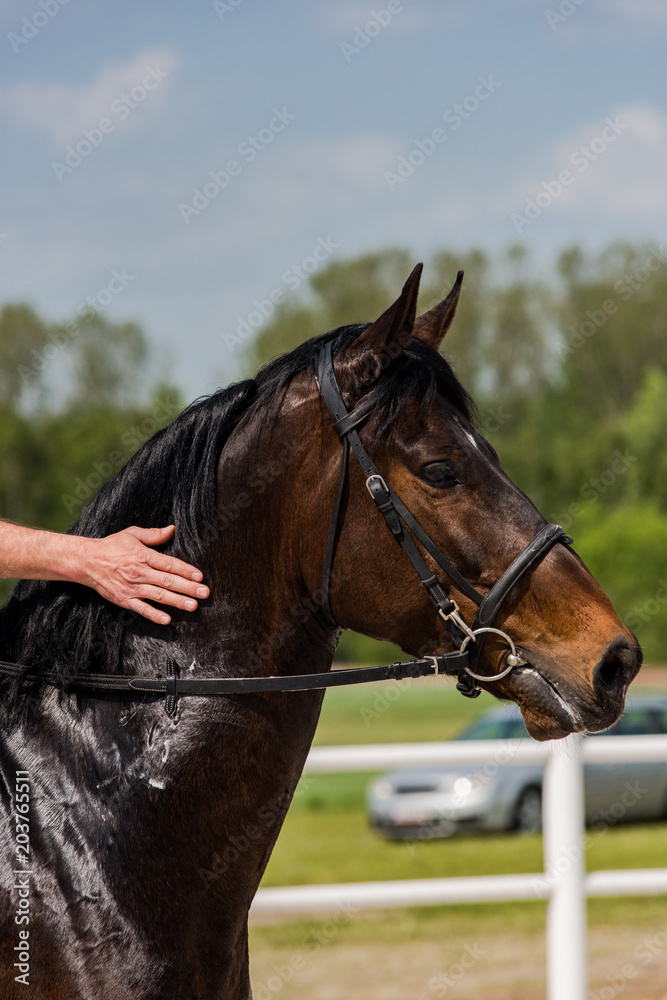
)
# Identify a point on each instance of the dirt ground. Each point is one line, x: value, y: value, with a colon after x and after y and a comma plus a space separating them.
x: 651, y: 677
x: 623, y: 962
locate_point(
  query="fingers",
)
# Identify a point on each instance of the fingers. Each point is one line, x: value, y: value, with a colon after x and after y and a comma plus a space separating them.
x: 152, y: 536
x: 163, y: 595
x: 177, y: 568
x: 160, y: 595
x: 158, y: 560
x: 148, y: 611
x: 124, y: 570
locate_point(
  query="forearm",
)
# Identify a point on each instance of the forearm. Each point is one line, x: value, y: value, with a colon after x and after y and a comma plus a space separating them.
x: 121, y: 567
x: 34, y: 554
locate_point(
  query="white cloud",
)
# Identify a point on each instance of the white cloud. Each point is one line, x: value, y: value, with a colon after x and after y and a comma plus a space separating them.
x: 344, y: 18
x: 363, y: 159
x: 646, y: 13
x: 622, y: 176
x: 62, y: 110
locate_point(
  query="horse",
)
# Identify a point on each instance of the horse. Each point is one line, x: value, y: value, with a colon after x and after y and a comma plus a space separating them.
x: 134, y: 838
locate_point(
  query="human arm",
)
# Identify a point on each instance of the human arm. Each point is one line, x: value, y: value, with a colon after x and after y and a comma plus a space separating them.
x: 121, y: 567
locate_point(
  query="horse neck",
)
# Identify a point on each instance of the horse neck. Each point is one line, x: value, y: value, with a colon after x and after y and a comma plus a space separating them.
x: 214, y: 783
x: 269, y: 543
x: 264, y: 614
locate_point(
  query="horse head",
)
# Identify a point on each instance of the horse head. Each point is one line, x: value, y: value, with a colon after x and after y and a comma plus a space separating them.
x: 578, y: 657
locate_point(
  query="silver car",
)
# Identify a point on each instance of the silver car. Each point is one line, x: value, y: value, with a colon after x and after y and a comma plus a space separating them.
x: 439, y: 801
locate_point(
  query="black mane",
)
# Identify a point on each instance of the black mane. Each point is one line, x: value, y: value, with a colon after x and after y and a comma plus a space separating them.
x: 69, y: 628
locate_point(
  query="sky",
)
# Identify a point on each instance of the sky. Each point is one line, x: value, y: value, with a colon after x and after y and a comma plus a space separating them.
x: 178, y: 163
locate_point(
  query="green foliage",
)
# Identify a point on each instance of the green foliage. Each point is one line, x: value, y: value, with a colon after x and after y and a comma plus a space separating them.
x: 109, y: 362
x: 72, y: 412
x: 22, y: 333
x: 344, y: 292
x: 625, y: 549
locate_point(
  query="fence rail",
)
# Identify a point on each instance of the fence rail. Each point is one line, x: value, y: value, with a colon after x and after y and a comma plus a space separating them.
x: 563, y: 824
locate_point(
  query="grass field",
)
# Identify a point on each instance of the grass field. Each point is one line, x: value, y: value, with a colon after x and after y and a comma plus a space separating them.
x: 419, y: 953
x: 426, y: 708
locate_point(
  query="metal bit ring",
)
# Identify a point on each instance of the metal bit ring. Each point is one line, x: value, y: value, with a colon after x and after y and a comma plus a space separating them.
x: 517, y: 659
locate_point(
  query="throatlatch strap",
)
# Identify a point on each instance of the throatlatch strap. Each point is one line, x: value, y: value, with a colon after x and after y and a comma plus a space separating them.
x: 333, y: 538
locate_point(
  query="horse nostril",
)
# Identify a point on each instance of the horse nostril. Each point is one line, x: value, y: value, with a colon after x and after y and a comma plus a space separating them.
x: 616, y: 669
x: 610, y: 672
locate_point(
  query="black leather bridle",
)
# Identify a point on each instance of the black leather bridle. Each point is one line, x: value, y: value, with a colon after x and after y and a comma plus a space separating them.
x: 469, y: 640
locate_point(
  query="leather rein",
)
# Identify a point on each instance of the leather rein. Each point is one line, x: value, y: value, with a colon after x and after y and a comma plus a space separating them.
x: 469, y: 639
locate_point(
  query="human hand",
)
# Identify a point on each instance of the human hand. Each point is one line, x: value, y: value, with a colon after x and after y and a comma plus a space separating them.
x: 125, y: 570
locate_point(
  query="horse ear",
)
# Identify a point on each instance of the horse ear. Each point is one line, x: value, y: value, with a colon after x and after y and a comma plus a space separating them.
x: 432, y: 326
x: 384, y: 339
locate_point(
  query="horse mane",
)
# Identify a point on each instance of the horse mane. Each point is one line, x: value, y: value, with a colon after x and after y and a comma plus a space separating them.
x: 68, y: 628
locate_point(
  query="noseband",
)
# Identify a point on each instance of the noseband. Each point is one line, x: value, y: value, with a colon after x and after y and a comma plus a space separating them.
x: 468, y: 639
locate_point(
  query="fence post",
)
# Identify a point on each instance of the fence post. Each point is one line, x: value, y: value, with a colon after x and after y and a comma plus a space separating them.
x: 564, y: 866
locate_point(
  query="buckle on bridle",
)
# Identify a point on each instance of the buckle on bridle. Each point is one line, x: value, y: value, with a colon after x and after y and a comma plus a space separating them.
x: 380, y: 479
x: 455, y: 617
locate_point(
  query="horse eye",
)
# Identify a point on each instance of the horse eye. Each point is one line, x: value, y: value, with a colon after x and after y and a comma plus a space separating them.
x: 441, y: 474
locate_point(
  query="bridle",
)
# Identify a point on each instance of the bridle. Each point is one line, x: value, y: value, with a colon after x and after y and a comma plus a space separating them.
x: 469, y: 639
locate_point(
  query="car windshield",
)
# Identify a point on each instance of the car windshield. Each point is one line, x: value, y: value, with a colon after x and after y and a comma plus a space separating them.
x: 639, y: 722
x: 498, y: 728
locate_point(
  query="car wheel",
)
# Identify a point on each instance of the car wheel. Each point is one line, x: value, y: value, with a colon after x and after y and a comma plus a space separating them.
x: 528, y: 813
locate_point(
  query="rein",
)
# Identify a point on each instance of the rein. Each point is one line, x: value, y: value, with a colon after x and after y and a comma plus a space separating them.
x: 469, y: 639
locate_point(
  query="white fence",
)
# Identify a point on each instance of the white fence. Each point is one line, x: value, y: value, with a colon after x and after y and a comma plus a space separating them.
x: 563, y: 882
